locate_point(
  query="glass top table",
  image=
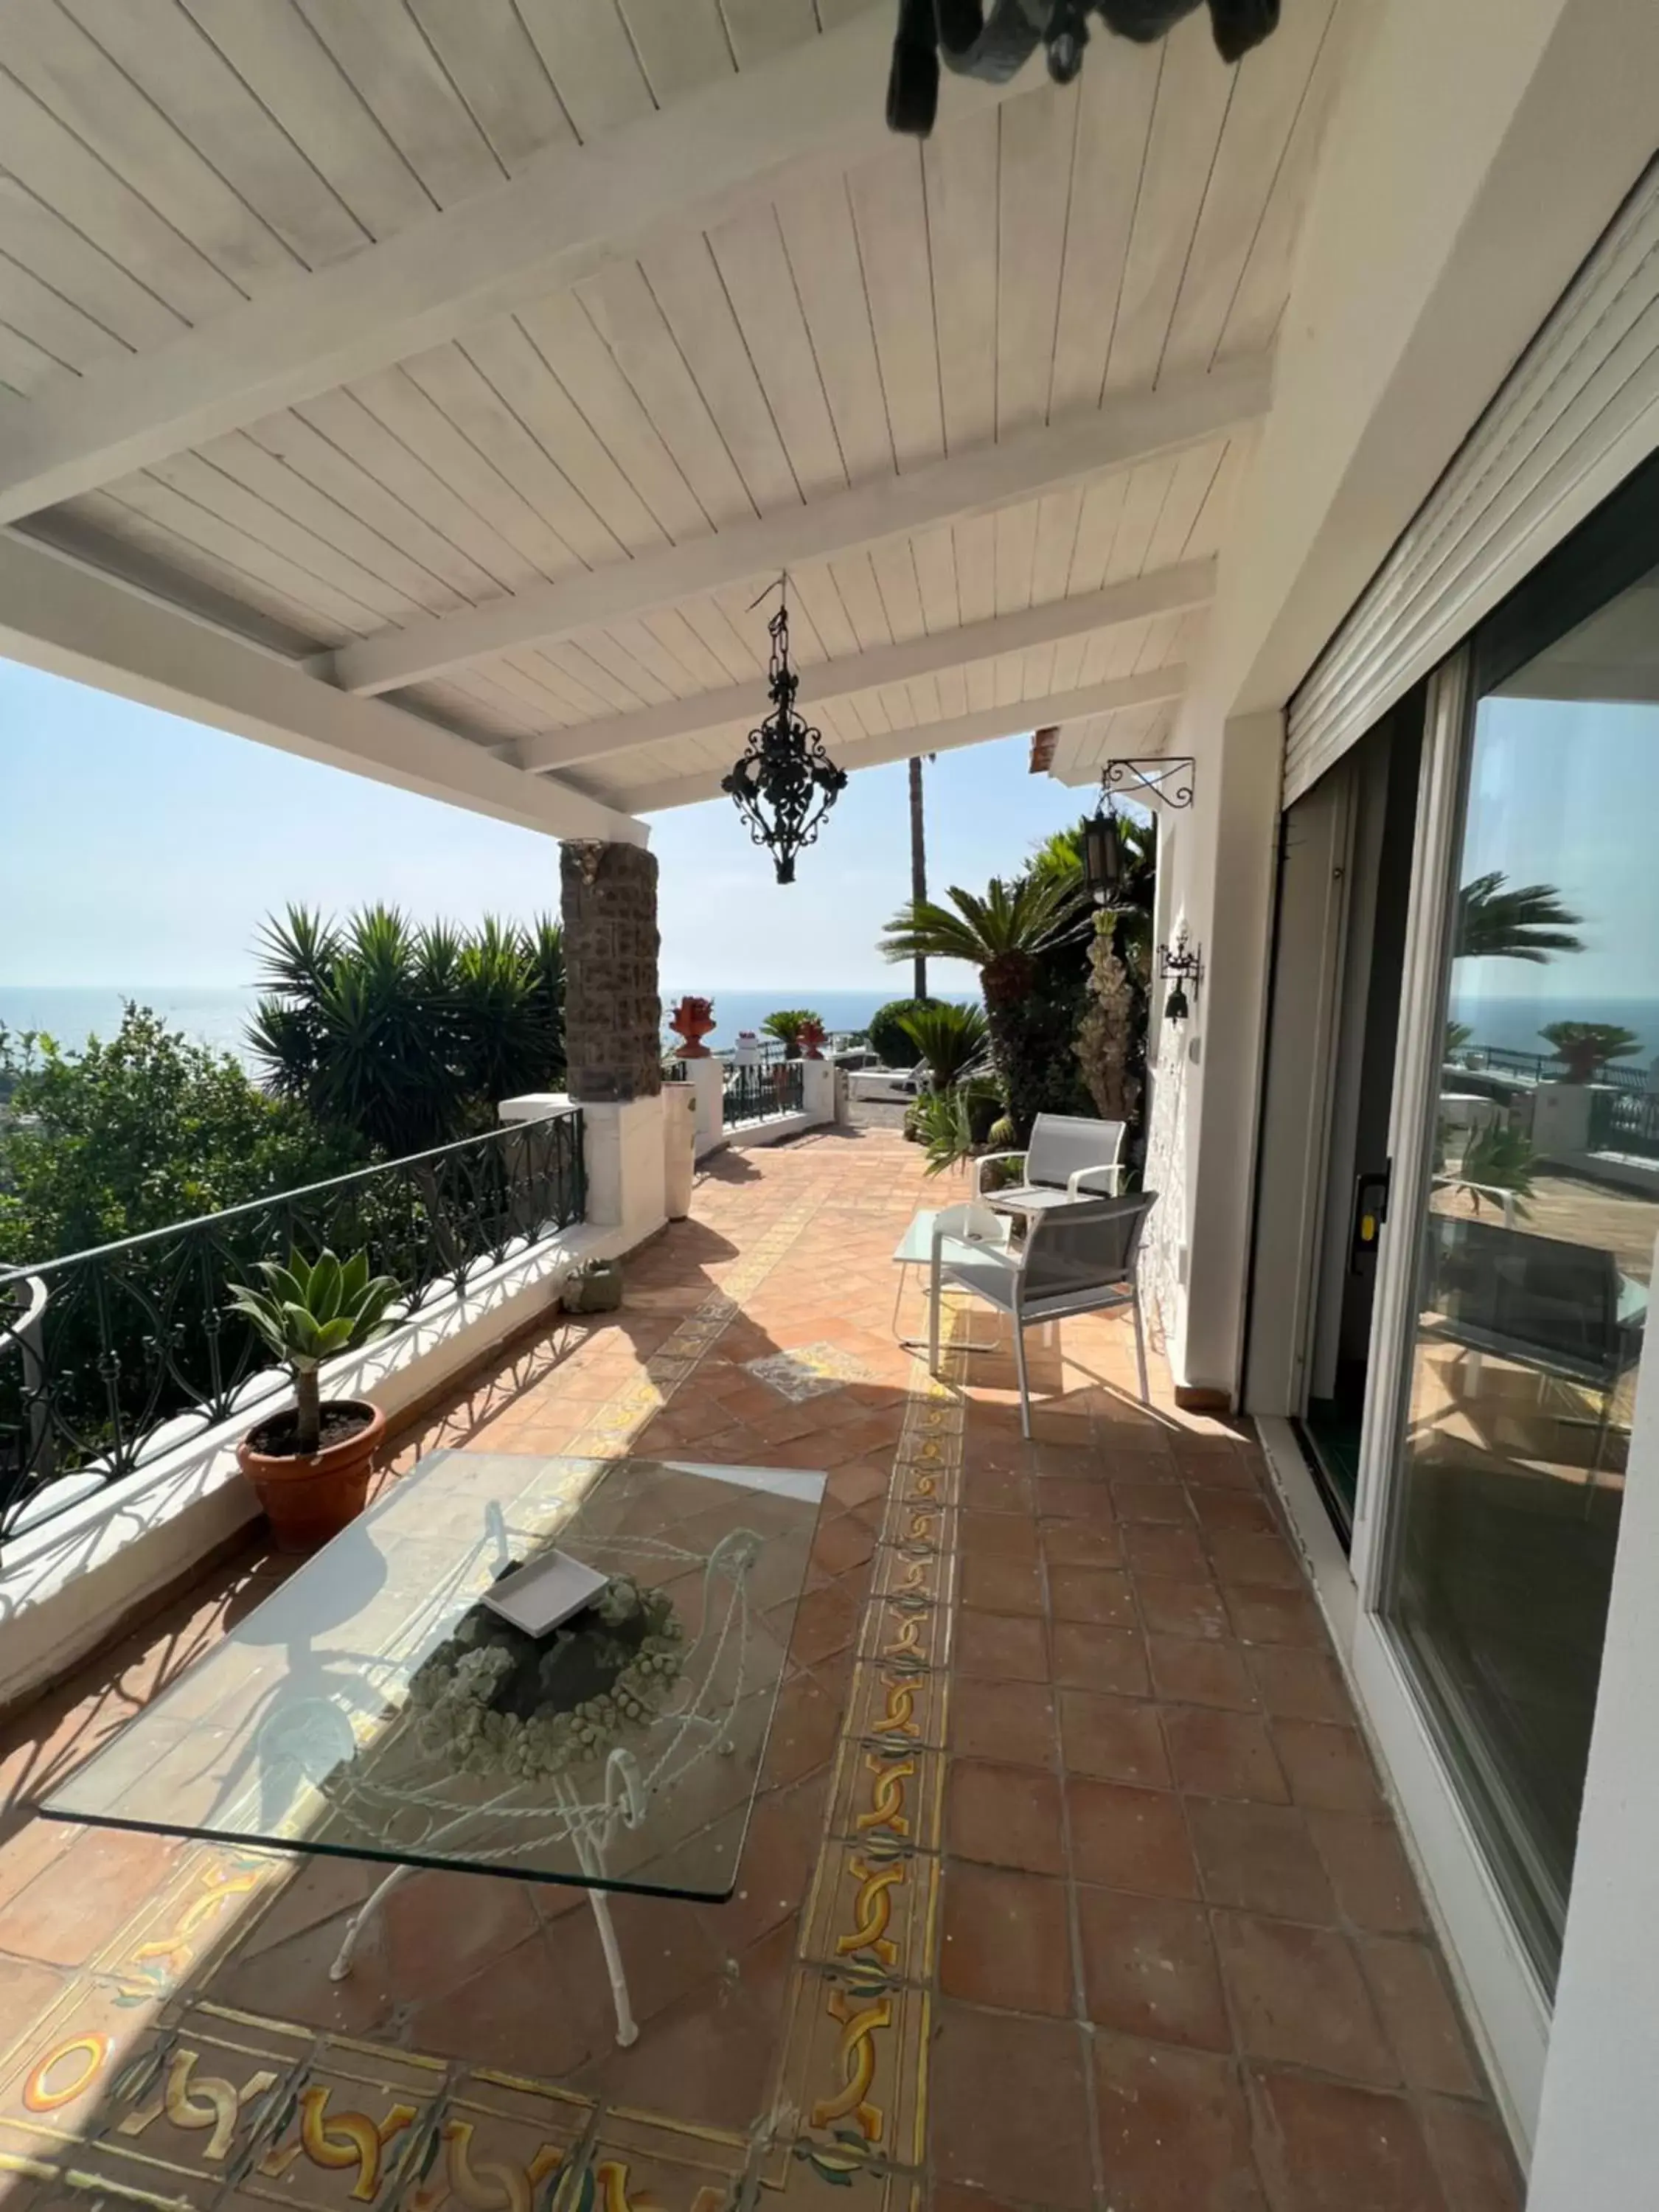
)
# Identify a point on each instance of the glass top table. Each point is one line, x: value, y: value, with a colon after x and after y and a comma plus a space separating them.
x: 372, y: 1708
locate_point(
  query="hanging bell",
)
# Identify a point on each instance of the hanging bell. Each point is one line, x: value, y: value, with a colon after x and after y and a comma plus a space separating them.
x: 1175, y: 1008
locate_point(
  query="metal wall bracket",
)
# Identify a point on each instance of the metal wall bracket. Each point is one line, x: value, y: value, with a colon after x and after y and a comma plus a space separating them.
x: 1156, y: 780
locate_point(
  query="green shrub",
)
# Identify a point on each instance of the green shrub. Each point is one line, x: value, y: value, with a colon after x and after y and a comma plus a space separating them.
x: 786, y: 1025
x: 890, y: 1043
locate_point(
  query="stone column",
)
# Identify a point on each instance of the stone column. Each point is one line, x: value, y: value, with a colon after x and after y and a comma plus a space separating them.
x: 612, y: 1027
x: 612, y: 999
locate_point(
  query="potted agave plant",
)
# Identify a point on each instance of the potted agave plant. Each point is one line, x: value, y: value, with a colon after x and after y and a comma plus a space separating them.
x: 310, y: 1463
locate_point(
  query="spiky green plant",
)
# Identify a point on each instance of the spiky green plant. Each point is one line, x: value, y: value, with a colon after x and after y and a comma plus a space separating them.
x: 786, y: 1025
x: 1003, y: 934
x: 949, y: 1124
x: 308, y: 1314
x: 1497, y: 1159
x: 951, y: 1039
x: 1585, y: 1048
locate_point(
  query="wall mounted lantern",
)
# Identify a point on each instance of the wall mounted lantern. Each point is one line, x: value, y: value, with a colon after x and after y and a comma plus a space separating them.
x: 785, y: 782
x: 1182, y: 964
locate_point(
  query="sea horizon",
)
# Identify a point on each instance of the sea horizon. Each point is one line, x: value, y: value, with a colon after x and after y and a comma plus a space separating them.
x: 218, y: 1015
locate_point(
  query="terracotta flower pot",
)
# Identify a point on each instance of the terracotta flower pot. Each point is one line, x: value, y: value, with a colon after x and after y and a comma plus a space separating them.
x: 309, y: 1497
x: 692, y: 1019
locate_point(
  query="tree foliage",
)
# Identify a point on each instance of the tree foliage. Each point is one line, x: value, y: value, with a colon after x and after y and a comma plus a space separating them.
x: 1586, y: 1047
x: 1527, y: 922
x: 1017, y: 935
x: 786, y: 1025
x: 951, y: 1040
x: 408, y: 1037
x: 137, y: 1131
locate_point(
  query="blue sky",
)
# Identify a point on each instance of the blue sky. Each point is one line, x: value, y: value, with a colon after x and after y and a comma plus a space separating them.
x: 139, y: 850
x: 1567, y: 794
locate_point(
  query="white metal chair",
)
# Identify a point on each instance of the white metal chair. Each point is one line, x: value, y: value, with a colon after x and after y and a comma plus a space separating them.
x: 1078, y: 1258
x: 1070, y: 1156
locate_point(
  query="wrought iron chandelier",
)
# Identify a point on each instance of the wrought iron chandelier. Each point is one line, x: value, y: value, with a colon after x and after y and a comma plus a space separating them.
x: 785, y: 783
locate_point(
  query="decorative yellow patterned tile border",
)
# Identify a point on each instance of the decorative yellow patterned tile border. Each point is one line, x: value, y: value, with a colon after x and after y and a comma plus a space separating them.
x: 852, y: 2107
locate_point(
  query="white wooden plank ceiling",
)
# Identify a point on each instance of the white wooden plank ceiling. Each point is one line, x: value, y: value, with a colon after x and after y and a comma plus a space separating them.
x: 946, y: 386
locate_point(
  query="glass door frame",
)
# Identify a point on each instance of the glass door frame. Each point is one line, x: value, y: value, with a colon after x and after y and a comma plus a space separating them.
x: 1442, y: 790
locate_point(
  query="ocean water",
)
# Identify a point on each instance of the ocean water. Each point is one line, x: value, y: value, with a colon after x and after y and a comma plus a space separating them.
x: 220, y: 1017
x: 1513, y: 1022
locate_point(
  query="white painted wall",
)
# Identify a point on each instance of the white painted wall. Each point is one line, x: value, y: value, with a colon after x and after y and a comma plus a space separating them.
x: 1475, y: 154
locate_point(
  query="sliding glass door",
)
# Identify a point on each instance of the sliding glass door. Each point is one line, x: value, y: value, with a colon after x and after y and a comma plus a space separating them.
x: 1527, y: 1199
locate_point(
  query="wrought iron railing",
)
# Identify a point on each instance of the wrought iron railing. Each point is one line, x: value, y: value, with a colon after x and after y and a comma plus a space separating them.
x: 1624, y: 1120
x: 757, y: 1094
x: 108, y: 1357
x: 1548, y: 1068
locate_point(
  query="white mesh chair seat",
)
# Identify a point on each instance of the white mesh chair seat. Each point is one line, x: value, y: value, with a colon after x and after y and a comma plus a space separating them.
x: 1069, y: 1155
x: 1082, y: 1257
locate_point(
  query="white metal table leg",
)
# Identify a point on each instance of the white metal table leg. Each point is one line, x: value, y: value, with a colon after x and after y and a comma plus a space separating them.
x: 627, y: 2030
x: 591, y: 1858
x: 360, y: 1920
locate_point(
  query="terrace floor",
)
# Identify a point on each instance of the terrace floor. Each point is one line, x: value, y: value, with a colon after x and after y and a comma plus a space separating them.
x: 1098, y: 1906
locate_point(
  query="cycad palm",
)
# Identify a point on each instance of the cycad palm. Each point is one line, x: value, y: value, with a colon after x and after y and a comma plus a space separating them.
x: 1003, y: 934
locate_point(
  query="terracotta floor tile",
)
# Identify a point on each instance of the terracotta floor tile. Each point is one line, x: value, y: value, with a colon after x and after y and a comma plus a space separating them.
x: 1001, y: 1647
x: 1267, y: 1562
x: 1368, y: 1871
x: 1081, y: 1544
x: 1006, y: 1938
x: 1102, y: 1594
x: 1416, y: 2009
x: 1087, y: 1656
x: 28, y: 1845
x: 27, y: 1990
x: 1303, y: 1684
x: 1152, y: 1548
x: 825, y: 1621
x: 1174, y: 1607
x: 996, y: 1489
x: 1162, y: 1502
x: 1174, y: 2130
x: 843, y: 1544
x: 1239, y: 1512
x: 779, y: 1853
x: 1006, y: 1536
x: 438, y: 1929
x: 1473, y: 2156
x: 1030, y: 2140
x: 1188, y: 1670
x: 1085, y: 1496
x: 1112, y: 1739
x: 78, y: 1901
x: 1129, y: 1839
x: 1222, y: 1754
x: 1259, y: 1857
x: 1328, y: 1766
x: 806, y: 1723
x: 857, y: 1483
x: 1008, y: 1722
x: 1149, y: 1968
x: 994, y: 1585
x: 1274, y: 1616
x: 1323, y: 2147
x: 1003, y: 1816
x: 1299, y: 1997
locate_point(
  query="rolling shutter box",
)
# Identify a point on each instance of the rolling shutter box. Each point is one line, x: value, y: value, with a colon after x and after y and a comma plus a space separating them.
x: 1576, y: 413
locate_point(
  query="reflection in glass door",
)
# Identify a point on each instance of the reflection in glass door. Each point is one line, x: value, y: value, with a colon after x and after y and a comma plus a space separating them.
x: 1535, y: 1243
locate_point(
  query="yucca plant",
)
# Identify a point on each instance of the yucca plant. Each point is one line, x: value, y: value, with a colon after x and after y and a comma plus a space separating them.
x: 308, y: 1314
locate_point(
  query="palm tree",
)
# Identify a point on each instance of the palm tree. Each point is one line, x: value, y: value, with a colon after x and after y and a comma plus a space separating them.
x: 786, y: 1025
x: 1003, y: 934
x: 1587, y: 1047
x: 1529, y: 923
